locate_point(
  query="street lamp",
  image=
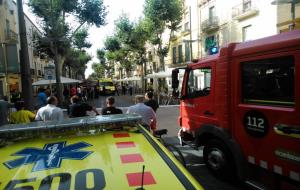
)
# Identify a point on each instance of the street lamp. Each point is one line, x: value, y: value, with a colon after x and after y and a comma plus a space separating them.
x: 293, y: 3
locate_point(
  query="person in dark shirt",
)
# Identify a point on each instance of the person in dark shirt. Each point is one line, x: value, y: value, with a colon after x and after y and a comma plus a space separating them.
x: 78, y: 109
x: 111, y: 109
x: 150, y: 101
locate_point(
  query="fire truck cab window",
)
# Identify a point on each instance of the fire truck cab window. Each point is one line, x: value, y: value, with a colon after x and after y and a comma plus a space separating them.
x: 199, y: 82
x: 269, y: 81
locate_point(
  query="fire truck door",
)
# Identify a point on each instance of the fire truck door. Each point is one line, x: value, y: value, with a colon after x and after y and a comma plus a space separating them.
x: 266, y: 112
x: 197, y: 106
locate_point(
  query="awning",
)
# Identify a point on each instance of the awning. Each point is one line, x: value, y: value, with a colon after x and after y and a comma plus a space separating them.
x: 130, y: 79
x: 64, y: 80
x: 159, y: 75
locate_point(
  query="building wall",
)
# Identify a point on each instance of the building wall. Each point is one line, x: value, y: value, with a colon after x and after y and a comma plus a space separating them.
x: 10, y: 79
x: 284, y: 17
x: 239, y: 20
x: 9, y: 57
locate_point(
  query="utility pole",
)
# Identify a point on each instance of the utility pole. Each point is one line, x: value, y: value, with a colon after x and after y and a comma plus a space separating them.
x: 24, y: 60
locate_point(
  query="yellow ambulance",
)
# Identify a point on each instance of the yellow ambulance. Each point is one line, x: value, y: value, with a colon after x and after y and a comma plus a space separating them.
x: 106, y: 86
x: 98, y: 152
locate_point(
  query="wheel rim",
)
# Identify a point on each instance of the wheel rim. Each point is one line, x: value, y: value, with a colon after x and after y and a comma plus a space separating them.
x: 216, y: 158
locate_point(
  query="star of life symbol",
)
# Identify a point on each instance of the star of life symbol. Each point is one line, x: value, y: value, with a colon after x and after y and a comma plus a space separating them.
x: 50, y: 156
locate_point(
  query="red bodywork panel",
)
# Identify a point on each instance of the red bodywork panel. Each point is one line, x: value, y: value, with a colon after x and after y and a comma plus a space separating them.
x: 271, y: 147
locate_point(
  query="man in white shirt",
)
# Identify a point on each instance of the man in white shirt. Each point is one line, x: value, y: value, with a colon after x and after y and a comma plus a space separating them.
x: 147, y: 113
x: 50, y: 112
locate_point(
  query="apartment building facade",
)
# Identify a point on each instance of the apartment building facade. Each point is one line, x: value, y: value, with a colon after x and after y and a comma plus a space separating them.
x: 288, y: 15
x: 10, y: 78
x: 9, y: 56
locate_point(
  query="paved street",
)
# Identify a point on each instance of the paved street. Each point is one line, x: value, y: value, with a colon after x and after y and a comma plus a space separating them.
x: 167, y: 119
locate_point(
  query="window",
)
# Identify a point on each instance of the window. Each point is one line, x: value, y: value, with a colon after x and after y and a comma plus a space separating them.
x: 174, y: 55
x: 269, y: 81
x: 211, y: 45
x: 180, y: 59
x: 246, y: 5
x: 211, y: 13
x: 186, y: 26
x: 247, y: 33
x: 7, y: 29
x: 199, y: 82
x: 187, y: 52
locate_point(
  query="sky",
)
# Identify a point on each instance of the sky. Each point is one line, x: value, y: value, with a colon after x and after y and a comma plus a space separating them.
x: 133, y: 8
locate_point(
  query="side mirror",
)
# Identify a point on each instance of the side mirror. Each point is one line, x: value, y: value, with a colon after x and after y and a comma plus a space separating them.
x: 175, y: 80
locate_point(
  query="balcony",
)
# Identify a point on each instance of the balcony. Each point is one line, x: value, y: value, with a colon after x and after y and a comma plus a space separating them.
x: 11, y: 37
x: 244, y: 10
x: 210, y: 24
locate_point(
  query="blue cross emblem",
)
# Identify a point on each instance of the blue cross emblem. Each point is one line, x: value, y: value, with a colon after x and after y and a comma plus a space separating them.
x: 50, y: 156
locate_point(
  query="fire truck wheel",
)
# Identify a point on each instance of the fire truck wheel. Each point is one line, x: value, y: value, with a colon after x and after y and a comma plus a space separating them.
x: 218, y: 159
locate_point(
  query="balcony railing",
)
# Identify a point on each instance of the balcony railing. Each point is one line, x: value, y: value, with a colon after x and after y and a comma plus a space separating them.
x: 244, y: 10
x: 210, y: 24
x: 11, y: 37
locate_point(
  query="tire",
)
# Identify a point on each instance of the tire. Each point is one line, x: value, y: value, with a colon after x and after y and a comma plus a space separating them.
x: 219, y: 160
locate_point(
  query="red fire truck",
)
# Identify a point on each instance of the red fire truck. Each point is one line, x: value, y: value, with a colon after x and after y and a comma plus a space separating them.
x: 243, y: 106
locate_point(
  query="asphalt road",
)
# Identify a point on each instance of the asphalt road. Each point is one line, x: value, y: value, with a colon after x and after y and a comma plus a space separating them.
x: 167, y: 119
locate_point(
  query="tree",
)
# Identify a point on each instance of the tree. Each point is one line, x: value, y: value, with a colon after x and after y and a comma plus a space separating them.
x: 80, y: 41
x: 76, y: 60
x: 58, y: 31
x: 162, y: 15
x: 99, y: 71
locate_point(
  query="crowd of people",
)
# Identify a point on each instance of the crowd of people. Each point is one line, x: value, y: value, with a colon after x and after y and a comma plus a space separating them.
x: 48, y: 110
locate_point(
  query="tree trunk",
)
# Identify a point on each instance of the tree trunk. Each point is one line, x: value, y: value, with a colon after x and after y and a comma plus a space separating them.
x: 24, y: 59
x: 58, y: 61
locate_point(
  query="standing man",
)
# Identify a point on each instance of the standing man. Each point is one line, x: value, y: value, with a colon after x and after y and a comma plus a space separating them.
x: 50, y: 112
x: 150, y: 101
x: 111, y: 109
x: 42, y: 98
x: 148, y: 115
x: 4, y: 107
x: 73, y: 91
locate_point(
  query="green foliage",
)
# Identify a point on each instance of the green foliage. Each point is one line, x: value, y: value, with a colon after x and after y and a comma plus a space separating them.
x: 77, y: 60
x: 57, y: 31
x: 161, y: 15
x: 80, y: 37
x: 99, y: 71
x: 112, y: 43
x: 91, y: 11
x: 101, y: 56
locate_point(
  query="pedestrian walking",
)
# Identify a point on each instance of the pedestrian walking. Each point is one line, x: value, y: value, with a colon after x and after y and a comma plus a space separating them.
x: 4, y: 107
x: 150, y: 101
x: 21, y: 115
x: 73, y: 91
x: 66, y: 93
x: 50, y: 112
x: 123, y: 89
x: 111, y: 109
x: 130, y: 89
x: 117, y: 89
x: 148, y: 115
